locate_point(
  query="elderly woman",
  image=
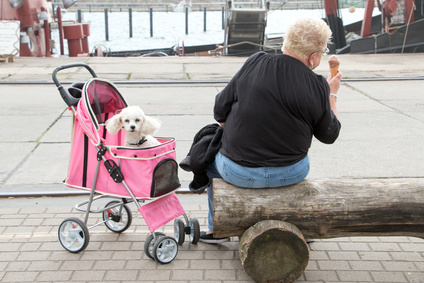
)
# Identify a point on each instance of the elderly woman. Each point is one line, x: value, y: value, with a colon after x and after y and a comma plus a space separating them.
x: 270, y: 110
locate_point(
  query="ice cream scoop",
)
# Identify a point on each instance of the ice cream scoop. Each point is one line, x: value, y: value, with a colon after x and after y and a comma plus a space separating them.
x: 334, y: 65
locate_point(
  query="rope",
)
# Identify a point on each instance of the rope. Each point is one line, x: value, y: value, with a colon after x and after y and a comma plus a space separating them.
x: 407, y: 26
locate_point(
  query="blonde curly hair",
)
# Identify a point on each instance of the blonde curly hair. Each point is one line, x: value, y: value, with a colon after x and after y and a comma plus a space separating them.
x: 306, y: 36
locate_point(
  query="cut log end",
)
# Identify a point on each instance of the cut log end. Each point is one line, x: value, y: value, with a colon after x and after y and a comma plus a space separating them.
x: 273, y: 251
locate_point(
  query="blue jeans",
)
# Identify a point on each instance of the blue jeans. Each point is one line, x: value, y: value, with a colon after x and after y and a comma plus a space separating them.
x: 249, y: 177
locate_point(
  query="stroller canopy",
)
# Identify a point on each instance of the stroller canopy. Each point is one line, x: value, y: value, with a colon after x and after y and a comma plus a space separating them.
x: 100, y: 100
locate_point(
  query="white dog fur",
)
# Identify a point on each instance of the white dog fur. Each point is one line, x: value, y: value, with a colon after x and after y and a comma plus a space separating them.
x: 139, y: 128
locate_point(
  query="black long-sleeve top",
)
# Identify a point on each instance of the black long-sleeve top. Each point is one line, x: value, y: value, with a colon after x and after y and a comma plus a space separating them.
x: 271, y: 108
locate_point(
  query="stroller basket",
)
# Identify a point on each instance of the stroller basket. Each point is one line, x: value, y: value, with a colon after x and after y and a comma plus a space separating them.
x: 145, y: 169
x: 149, y: 172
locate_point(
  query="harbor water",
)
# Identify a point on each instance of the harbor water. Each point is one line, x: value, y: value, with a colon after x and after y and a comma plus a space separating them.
x: 169, y: 28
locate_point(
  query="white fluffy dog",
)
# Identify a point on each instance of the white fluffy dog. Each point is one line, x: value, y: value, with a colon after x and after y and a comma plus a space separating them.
x: 139, y: 127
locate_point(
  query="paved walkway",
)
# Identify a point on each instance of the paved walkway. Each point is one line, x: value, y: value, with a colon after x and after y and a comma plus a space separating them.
x: 383, y: 129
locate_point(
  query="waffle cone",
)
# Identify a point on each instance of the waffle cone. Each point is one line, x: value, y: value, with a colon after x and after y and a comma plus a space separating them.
x: 334, y: 65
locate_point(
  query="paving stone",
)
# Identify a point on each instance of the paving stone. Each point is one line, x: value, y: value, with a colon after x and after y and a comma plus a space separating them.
x: 355, y: 246
x: 412, y: 247
x: 18, y: 266
x: 205, y: 264
x: 359, y: 276
x: 3, y: 265
x: 115, y: 246
x: 52, y: 276
x: 386, y: 277
x: 224, y: 274
x: 318, y: 255
x: 132, y: 254
x: 96, y: 255
x: 366, y: 265
x: 176, y: 264
x: 420, y: 265
x: 190, y: 275
x: 30, y: 247
x: 365, y: 239
x: 33, y: 256
x: 20, y: 276
x: 404, y: 256
x: 375, y: 256
x: 414, y: 277
x: 333, y: 265
x: 19, y: 230
x: 109, y: 265
x: 231, y: 264
x: 343, y: 255
x: 121, y: 275
x: 385, y: 247
x: 9, y: 247
x: 321, y: 276
x: 327, y: 246
x: 154, y: 275
x: 85, y: 275
x: 142, y: 264
x: 44, y: 265
x: 219, y: 255
x: 77, y: 265
x: 190, y: 254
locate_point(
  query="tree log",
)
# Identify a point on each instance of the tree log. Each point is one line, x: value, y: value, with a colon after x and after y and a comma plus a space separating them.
x: 324, y: 208
x: 273, y: 251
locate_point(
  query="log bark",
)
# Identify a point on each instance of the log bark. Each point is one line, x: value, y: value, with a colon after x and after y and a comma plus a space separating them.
x: 325, y: 208
x: 273, y: 251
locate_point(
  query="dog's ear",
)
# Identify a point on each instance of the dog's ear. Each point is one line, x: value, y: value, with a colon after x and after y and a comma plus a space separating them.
x: 114, y: 124
x: 150, y: 125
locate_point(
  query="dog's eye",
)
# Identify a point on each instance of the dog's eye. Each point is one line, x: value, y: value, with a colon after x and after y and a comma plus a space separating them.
x: 126, y: 121
x: 137, y: 120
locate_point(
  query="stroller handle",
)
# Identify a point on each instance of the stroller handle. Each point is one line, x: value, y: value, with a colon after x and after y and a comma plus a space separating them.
x: 64, y: 93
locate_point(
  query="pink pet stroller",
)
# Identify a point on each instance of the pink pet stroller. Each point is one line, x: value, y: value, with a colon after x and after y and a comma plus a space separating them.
x: 102, y: 164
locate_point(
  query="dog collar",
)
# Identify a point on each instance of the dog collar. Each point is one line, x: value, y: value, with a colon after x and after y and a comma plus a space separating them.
x: 140, y: 142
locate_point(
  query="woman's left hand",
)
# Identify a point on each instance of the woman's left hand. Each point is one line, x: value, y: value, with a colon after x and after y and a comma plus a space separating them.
x: 334, y: 82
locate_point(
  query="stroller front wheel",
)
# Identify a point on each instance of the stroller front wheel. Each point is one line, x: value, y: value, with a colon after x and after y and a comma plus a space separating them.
x: 73, y: 235
x: 179, y: 233
x: 115, y: 220
x: 150, y: 243
x: 194, y: 230
x: 165, y: 250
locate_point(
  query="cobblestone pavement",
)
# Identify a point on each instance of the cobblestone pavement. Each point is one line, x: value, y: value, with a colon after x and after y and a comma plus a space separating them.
x: 31, y: 252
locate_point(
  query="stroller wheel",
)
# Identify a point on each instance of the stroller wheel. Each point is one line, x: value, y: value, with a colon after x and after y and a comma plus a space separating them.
x: 194, y: 230
x: 114, y: 221
x: 179, y: 234
x: 150, y: 243
x: 73, y: 235
x: 165, y: 249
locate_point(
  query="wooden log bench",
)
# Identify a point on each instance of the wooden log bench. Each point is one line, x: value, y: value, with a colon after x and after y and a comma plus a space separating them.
x: 273, y: 223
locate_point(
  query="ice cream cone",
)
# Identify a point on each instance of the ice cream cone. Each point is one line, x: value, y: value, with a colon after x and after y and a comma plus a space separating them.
x: 334, y: 65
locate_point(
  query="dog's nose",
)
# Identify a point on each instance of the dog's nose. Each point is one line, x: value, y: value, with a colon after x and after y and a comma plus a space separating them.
x: 132, y: 127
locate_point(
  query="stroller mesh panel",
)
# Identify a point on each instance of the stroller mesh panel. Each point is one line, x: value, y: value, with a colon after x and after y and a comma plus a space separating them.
x: 165, y: 178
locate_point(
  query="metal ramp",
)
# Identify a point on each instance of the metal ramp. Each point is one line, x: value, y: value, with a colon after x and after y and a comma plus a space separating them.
x: 245, y: 26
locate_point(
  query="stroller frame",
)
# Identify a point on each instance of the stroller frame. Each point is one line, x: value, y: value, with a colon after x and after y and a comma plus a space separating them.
x: 73, y: 233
